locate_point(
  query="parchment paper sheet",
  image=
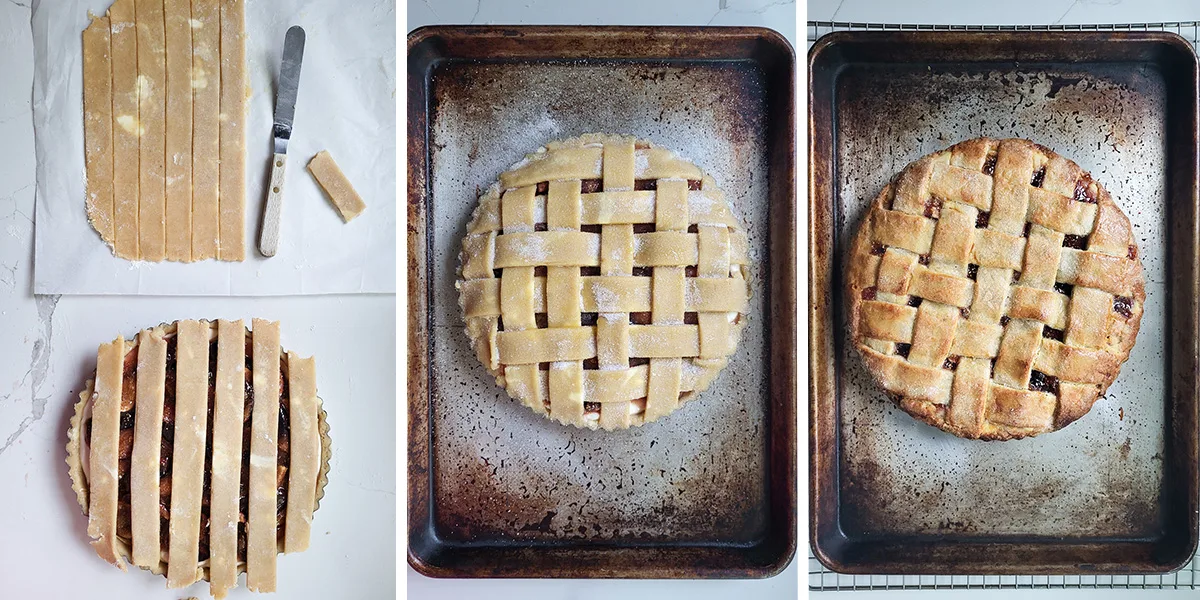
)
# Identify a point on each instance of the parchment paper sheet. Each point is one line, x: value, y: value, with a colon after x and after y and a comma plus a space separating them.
x: 346, y: 105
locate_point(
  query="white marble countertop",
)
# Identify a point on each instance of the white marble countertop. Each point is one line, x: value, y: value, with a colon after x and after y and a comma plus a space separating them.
x: 778, y: 15
x: 49, y: 349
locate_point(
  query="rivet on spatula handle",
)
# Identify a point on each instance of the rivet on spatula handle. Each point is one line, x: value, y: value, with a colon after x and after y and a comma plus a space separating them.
x: 268, y: 238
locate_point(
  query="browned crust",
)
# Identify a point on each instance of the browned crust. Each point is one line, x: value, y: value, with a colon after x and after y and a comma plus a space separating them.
x: 79, y: 482
x: 857, y: 280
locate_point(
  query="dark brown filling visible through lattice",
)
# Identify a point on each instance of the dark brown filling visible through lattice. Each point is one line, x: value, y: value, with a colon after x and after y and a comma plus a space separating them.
x: 989, y: 164
x: 591, y: 186
x: 1123, y: 306
x: 1083, y: 191
x: 1052, y: 333
x: 125, y: 448
x: 1041, y: 382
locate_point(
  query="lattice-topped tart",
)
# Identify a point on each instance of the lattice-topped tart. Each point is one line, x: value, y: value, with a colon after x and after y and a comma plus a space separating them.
x: 603, y: 281
x: 995, y: 289
x: 200, y: 451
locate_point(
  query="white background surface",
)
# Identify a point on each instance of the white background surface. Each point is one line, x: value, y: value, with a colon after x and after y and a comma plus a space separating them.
x: 48, y: 348
x: 776, y: 15
x: 1001, y: 13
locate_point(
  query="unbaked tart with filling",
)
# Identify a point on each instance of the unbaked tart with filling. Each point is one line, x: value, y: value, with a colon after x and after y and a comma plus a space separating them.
x: 603, y: 281
x: 200, y: 450
x: 994, y: 289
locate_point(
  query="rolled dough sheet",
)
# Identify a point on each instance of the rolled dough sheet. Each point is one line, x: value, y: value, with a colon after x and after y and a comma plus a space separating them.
x: 177, y: 15
x: 151, y: 89
x: 126, y: 129
x: 347, y: 201
x: 206, y: 126
x: 97, y: 125
x: 232, y: 242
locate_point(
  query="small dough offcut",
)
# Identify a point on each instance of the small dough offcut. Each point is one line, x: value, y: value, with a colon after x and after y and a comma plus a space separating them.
x: 347, y: 201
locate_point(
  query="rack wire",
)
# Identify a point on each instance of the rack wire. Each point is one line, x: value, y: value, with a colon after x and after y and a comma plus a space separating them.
x: 822, y: 579
x: 1190, y: 30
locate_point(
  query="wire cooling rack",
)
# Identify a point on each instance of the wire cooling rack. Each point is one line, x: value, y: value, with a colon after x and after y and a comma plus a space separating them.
x: 821, y: 578
x: 1188, y: 29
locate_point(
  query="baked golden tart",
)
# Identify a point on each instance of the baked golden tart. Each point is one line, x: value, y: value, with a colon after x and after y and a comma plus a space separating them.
x: 604, y: 281
x: 200, y: 450
x: 994, y: 289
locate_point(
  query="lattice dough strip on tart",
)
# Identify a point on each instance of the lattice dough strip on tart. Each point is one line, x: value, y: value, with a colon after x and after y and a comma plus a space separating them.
x: 178, y: 398
x: 995, y: 289
x: 603, y: 281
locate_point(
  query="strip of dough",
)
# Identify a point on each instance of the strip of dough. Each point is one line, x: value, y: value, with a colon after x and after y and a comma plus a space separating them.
x: 305, y: 445
x: 206, y: 126
x: 151, y: 89
x: 347, y: 201
x: 232, y: 241
x: 228, y: 415
x: 102, y: 464
x: 126, y: 129
x: 177, y: 14
x: 261, y: 544
x: 147, y: 440
x: 187, y: 471
x: 97, y: 125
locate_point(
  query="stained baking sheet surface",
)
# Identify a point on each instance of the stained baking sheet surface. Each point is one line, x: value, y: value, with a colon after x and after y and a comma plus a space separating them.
x: 1103, y: 474
x: 1116, y: 491
x: 502, y: 473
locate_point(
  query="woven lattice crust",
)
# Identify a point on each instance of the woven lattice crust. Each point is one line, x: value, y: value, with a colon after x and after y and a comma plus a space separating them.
x: 995, y: 289
x: 603, y: 281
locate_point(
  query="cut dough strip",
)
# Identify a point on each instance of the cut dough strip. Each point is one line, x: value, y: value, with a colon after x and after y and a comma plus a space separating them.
x: 232, y: 239
x: 228, y: 415
x: 126, y: 129
x: 177, y: 16
x: 98, y: 124
x: 106, y: 423
x: 261, y: 536
x: 347, y: 201
x: 187, y: 472
x: 206, y: 126
x: 151, y: 88
x: 305, y: 445
x: 147, y: 447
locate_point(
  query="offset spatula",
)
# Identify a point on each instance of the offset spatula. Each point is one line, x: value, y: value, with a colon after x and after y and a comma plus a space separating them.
x: 285, y: 108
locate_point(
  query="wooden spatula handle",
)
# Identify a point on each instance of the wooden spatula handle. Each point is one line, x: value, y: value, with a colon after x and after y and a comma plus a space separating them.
x: 268, y: 239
